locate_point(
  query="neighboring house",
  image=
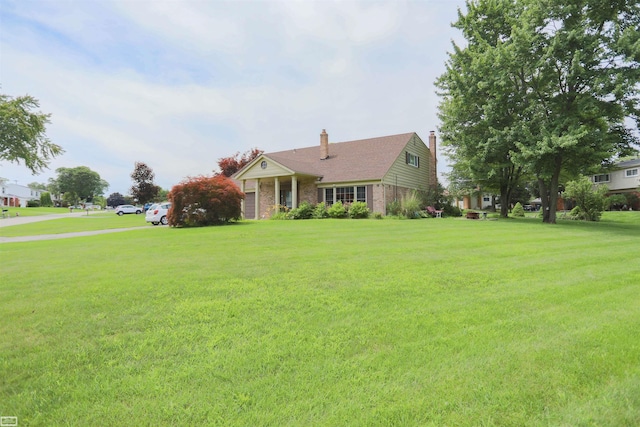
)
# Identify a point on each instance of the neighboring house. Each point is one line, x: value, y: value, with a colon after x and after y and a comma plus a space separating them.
x: 17, y: 195
x: 376, y: 171
x: 623, y: 178
x: 475, y: 201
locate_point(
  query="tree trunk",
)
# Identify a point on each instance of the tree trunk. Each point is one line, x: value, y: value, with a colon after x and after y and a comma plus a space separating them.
x: 505, y: 200
x: 549, y: 193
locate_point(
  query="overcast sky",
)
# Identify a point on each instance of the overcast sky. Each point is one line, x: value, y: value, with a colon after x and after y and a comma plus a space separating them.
x: 179, y: 84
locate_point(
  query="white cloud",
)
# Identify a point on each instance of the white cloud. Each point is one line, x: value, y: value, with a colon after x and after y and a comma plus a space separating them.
x: 178, y: 85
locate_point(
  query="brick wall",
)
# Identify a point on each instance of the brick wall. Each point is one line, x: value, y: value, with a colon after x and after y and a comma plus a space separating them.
x: 307, y: 191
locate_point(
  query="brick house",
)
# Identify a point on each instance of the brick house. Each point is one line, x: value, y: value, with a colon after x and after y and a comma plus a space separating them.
x: 376, y: 171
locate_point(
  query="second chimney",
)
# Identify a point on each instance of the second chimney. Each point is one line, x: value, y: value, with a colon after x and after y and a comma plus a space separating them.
x: 433, y: 173
x: 324, y: 145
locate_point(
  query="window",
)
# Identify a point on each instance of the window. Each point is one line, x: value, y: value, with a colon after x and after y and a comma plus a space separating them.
x: 601, y: 178
x: 413, y: 160
x: 631, y: 172
x: 328, y: 196
x: 486, y: 199
x: 346, y: 195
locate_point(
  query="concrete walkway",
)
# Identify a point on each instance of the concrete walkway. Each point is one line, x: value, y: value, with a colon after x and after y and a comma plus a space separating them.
x: 20, y: 220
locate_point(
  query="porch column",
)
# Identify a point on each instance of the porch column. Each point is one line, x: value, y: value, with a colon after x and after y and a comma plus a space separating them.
x: 294, y: 192
x: 242, y: 205
x: 257, y: 207
x: 276, y: 198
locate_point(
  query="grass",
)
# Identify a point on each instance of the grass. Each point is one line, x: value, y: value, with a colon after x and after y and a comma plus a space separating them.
x: 12, y: 211
x: 329, y: 322
x: 91, y: 222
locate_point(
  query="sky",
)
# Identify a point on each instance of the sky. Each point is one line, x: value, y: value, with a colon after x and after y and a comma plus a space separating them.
x: 179, y: 84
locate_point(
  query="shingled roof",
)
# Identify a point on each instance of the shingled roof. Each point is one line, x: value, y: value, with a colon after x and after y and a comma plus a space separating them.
x: 360, y: 160
x: 628, y: 163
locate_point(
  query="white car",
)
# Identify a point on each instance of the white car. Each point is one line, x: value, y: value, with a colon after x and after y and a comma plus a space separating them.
x: 128, y: 209
x: 157, y: 214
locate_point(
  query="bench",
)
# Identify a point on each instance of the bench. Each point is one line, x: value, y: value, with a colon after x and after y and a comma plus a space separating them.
x: 473, y: 215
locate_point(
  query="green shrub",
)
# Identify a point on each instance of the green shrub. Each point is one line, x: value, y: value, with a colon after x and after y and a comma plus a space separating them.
x: 303, y: 211
x: 632, y: 200
x: 320, y: 211
x: 451, y: 210
x: 337, y: 210
x: 377, y: 215
x: 280, y: 215
x: 33, y: 203
x: 590, y: 201
x: 394, y: 208
x: 577, y: 213
x: 518, y: 210
x: 616, y: 201
x: 411, y: 205
x: 359, y: 210
x: 45, y: 200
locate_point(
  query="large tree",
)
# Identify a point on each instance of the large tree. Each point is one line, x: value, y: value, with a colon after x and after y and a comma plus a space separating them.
x: 22, y: 133
x: 481, y: 111
x: 79, y: 184
x: 564, y: 76
x: 232, y: 164
x: 144, y: 189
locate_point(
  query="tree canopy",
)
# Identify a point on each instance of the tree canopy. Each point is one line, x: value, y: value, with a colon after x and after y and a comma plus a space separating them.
x: 79, y: 184
x: 144, y: 189
x: 543, y: 87
x: 116, y: 199
x: 232, y: 164
x: 22, y: 133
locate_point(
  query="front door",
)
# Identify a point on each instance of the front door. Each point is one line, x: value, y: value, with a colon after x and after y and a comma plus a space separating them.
x: 286, y: 199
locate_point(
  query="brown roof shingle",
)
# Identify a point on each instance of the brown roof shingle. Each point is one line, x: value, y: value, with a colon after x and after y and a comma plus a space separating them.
x: 361, y: 160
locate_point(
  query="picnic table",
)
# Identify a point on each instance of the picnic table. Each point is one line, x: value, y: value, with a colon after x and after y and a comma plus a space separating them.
x: 473, y: 215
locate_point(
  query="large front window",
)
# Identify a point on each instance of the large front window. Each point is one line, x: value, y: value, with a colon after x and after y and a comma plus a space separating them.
x: 346, y: 195
x: 601, y: 178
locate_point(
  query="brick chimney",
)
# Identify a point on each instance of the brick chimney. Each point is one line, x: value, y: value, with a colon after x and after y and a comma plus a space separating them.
x: 324, y: 145
x: 433, y: 173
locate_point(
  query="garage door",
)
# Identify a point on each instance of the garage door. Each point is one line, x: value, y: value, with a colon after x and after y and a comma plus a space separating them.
x: 250, y: 205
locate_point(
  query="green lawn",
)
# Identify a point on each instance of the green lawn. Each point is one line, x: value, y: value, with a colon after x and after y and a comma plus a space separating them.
x: 434, y: 322
x: 12, y: 211
x: 93, y: 221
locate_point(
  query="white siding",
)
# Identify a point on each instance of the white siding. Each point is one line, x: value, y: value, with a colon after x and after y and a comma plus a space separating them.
x: 272, y: 169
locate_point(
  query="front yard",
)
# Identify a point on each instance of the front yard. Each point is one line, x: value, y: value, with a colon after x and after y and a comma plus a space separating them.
x: 326, y: 322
